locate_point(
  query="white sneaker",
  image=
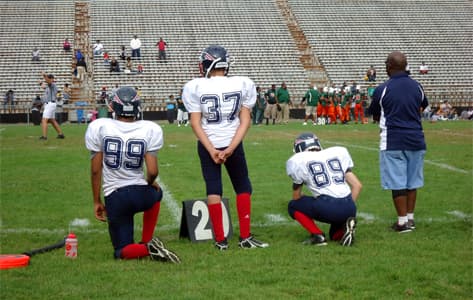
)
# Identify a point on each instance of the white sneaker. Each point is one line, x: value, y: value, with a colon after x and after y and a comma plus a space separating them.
x: 157, y: 251
x: 349, y: 237
x: 251, y: 242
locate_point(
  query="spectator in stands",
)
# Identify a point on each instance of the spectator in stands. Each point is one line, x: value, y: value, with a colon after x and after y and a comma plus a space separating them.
x: 371, y: 74
x: 139, y: 68
x: 49, y: 113
x: 79, y: 54
x: 66, y: 93
x: 106, y: 58
x: 135, y: 45
x: 114, y: 65
x: 9, y: 99
x: 66, y: 45
x: 122, y: 52
x: 97, y: 48
x: 162, y: 48
x: 81, y: 69
x: 423, y: 68
x: 129, y: 65
x: 283, y: 99
x: 35, y: 55
x: 103, y: 95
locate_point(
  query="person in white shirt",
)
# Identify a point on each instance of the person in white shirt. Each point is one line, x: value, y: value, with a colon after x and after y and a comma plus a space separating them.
x: 35, y: 55
x: 135, y: 45
x: 220, y: 116
x: 327, y: 174
x: 97, y: 48
x: 423, y: 68
x: 119, y: 151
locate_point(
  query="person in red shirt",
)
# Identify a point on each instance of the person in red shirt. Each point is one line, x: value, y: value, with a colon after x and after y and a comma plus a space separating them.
x: 66, y: 46
x: 161, y: 48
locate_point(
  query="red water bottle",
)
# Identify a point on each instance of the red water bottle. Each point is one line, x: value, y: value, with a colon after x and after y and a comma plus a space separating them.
x: 71, y: 245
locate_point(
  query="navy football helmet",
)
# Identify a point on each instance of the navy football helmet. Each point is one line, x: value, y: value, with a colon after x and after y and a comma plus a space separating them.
x: 126, y: 102
x: 213, y: 57
x: 307, y: 142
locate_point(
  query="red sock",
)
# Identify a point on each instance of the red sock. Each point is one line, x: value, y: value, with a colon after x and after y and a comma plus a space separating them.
x: 338, y: 234
x: 150, y: 218
x: 133, y: 251
x: 215, y: 211
x: 307, y: 223
x: 243, y: 203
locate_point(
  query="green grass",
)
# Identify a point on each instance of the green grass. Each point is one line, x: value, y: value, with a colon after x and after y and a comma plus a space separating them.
x: 46, y: 185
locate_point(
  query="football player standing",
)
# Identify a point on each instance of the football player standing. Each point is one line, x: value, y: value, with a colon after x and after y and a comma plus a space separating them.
x: 220, y: 116
x: 327, y: 173
x: 119, y: 149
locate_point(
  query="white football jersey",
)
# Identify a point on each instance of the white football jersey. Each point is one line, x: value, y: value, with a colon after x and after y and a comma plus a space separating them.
x: 323, y: 172
x: 124, y: 146
x: 219, y: 99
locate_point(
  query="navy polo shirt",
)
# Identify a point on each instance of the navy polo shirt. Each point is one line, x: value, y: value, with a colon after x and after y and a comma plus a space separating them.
x: 397, y: 104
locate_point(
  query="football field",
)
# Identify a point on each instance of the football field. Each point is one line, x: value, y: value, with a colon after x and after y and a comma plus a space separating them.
x: 45, y: 192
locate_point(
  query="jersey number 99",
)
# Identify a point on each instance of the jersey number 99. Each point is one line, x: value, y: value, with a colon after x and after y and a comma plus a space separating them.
x: 118, y: 154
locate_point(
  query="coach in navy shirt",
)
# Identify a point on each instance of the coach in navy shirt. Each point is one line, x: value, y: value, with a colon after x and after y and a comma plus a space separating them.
x: 397, y: 105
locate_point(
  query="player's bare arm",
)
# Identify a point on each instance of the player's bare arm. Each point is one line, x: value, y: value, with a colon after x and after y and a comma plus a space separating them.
x: 96, y: 179
x: 152, y: 170
x: 296, y: 191
x: 355, y: 184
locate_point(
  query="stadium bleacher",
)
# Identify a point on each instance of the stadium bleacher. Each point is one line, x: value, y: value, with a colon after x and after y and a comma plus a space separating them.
x: 347, y: 36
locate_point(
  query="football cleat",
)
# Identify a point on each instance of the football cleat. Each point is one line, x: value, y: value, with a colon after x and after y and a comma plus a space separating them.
x: 349, y: 237
x: 316, y: 240
x: 157, y: 251
x: 401, y: 228
x: 411, y: 224
x: 222, y: 245
x: 251, y: 242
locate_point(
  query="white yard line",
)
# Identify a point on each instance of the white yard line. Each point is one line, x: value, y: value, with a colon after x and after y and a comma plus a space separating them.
x: 270, y: 220
x: 427, y: 161
x: 171, y: 203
